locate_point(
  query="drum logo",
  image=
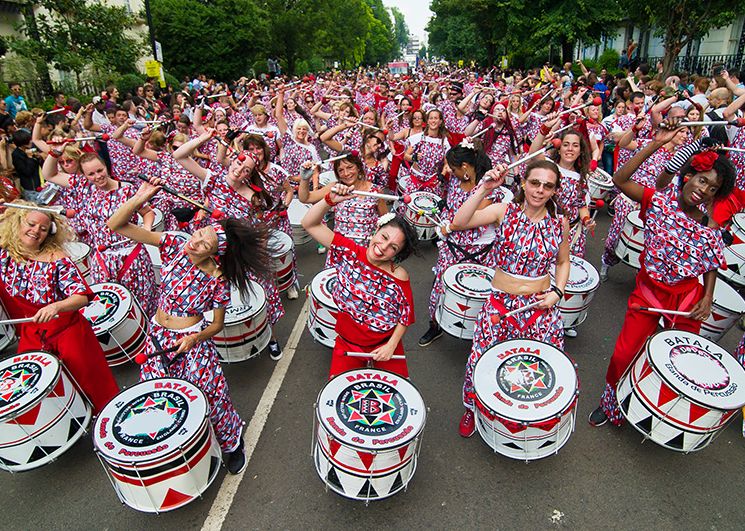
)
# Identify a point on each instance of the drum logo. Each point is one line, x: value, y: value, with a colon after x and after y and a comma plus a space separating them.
x: 371, y: 408
x: 525, y: 377
x: 102, y: 307
x: 17, y: 380
x: 150, y: 418
x: 698, y: 367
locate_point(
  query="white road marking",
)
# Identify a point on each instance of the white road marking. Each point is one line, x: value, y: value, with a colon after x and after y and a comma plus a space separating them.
x: 229, y: 487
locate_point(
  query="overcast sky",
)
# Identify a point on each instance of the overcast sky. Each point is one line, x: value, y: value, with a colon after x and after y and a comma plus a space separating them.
x: 416, y: 12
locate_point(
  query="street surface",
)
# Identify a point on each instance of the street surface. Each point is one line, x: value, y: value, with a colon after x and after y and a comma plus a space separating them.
x: 603, y: 478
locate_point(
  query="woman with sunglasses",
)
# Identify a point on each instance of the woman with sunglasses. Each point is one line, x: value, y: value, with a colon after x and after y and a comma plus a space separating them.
x: 531, y: 239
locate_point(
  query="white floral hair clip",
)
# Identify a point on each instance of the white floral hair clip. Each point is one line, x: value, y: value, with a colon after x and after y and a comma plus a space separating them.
x: 467, y: 143
x: 385, y: 218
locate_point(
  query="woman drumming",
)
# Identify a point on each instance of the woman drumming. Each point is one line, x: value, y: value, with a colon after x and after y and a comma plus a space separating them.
x: 38, y: 279
x: 356, y: 218
x: 426, y: 153
x: 232, y: 192
x: 372, y: 319
x: 297, y: 147
x: 531, y: 238
x: 681, y: 243
x: 468, y: 165
x: 267, y: 131
x: 115, y: 259
x: 197, y: 276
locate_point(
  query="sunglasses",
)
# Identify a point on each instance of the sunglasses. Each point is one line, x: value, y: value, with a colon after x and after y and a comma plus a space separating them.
x: 537, y: 183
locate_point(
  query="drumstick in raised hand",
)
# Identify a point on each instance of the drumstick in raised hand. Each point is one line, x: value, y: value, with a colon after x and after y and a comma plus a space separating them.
x: 369, y: 355
x: 214, y: 213
x: 555, y: 144
x: 389, y: 197
x: 60, y: 211
x: 639, y: 307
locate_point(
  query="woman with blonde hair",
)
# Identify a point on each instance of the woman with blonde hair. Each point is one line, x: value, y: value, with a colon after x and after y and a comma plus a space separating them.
x: 38, y: 280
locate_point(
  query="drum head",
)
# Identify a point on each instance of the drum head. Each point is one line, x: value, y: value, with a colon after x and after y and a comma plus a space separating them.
x: 634, y: 218
x: 423, y: 201
x: 242, y: 309
x: 602, y: 178
x: 296, y: 211
x: 150, y: 420
x: 583, y: 277
x: 470, y: 280
x: 323, y: 285
x: 698, y: 369
x: 77, y: 250
x: 525, y: 380
x: 371, y: 409
x: 279, y: 243
x: 24, y: 380
x: 109, y: 307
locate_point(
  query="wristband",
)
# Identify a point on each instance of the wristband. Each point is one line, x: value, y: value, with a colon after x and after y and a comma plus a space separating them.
x: 54, y: 154
x: 545, y: 129
x: 328, y: 200
x: 556, y: 290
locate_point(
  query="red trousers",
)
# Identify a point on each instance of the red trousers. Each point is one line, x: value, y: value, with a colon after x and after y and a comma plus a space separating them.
x: 639, y: 325
x: 369, y: 341
x: 725, y: 208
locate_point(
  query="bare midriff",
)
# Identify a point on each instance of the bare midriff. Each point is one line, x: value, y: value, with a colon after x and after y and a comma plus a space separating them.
x: 519, y: 285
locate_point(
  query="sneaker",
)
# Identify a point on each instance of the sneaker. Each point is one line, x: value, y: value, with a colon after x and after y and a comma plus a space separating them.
x: 293, y: 293
x: 570, y: 332
x: 467, y: 424
x: 597, y: 417
x: 434, y: 333
x: 604, y: 272
x: 321, y: 249
x: 236, y: 461
x: 275, y: 351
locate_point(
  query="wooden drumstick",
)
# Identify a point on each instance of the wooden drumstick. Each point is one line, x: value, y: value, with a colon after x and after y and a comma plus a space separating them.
x: 214, y: 213
x: 595, y: 101
x: 739, y: 122
x: 141, y: 358
x: 638, y: 307
x: 21, y: 320
x: 405, y: 198
x: 736, y: 150
x: 60, y: 211
x: 555, y: 143
x: 498, y: 317
x: 369, y: 355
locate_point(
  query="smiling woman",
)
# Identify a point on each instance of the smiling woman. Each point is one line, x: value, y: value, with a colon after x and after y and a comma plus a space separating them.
x: 372, y: 291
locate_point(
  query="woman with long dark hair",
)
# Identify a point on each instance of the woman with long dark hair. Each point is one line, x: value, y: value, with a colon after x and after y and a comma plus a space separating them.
x: 197, y: 276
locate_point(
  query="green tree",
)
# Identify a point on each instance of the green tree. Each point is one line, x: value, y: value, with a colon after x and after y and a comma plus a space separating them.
x: 423, y: 52
x: 680, y: 22
x: 400, y: 30
x: 380, y: 44
x: 222, y: 38
x: 74, y: 35
x: 340, y: 34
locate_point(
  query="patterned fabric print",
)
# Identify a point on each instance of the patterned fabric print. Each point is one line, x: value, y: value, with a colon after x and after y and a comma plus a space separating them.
x: 453, y: 122
x: 234, y: 205
x: 377, y: 175
x: 611, y: 408
x: 356, y: 218
x: 738, y: 159
x: 200, y: 366
x: 542, y: 325
x: 532, y: 126
x: 274, y: 179
x: 524, y: 247
x: 647, y: 173
x: 364, y: 100
x: 598, y: 131
x: 430, y: 159
x: 455, y: 198
x: 350, y: 139
x: 185, y: 289
x: 571, y: 198
x: 371, y: 297
x: 623, y: 206
x: 41, y: 282
x: 499, y: 153
x: 677, y: 247
x: 295, y: 154
x: 98, y: 206
x: 739, y: 352
x: 624, y: 123
x: 209, y: 149
x: 72, y: 198
x: 123, y: 162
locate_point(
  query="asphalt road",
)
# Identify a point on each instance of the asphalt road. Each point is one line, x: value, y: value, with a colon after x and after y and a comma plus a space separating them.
x: 603, y: 478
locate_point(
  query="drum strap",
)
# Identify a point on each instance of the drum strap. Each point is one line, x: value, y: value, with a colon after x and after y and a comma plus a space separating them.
x: 129, y: 261
x: 466, y: 256
x: 654, y: 302
x: 502, y: 309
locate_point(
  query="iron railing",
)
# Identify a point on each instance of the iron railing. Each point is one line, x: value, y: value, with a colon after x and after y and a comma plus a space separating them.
x: 702, y: 64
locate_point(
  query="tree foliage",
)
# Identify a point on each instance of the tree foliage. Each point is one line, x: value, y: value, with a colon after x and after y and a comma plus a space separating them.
x: 482, y: 30
x: 679, y: 22
x: 74, y: 35
x: 400, y: 30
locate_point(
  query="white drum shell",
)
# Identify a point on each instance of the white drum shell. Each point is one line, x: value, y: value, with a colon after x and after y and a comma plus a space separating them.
x: 323, y: 309
x: 734, y: 269
x: 295, y: 213
x: 631, y: 241
x: 460, y: 306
